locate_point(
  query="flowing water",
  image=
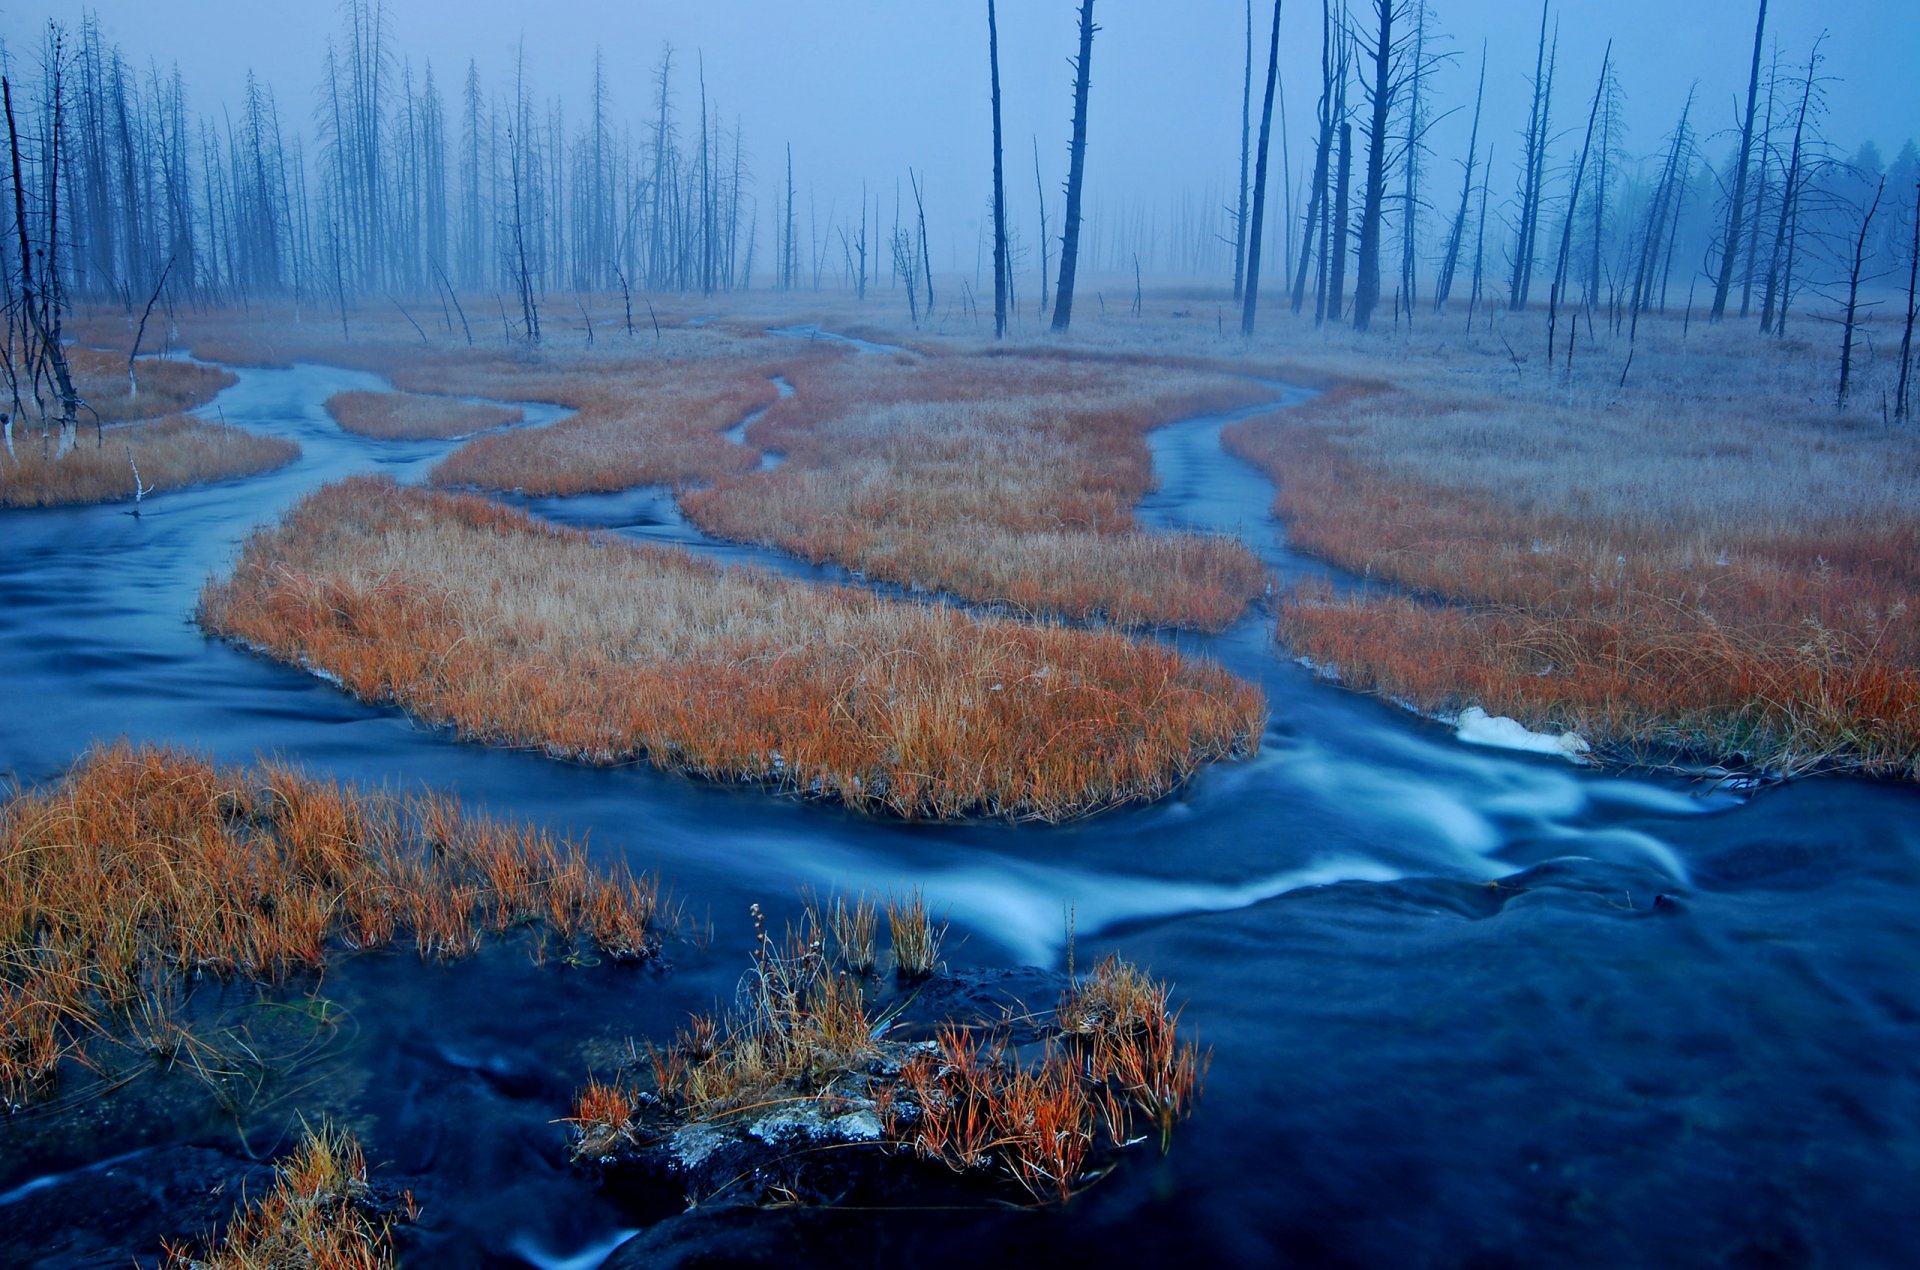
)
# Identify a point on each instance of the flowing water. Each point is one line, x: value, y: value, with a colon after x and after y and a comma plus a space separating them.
x: 1412, y: 1065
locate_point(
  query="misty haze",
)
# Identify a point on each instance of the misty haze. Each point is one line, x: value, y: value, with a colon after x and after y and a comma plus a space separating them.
x: 1057, y: 632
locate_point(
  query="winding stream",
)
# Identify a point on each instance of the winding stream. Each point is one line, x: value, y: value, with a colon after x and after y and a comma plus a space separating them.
x: 1411, y: 1065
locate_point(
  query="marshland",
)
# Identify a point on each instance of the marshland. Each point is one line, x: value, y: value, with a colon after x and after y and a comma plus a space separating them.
x: 683, y: 637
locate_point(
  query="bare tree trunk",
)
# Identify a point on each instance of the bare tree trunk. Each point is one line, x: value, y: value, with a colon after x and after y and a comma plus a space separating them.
x: 1906, y: 339
x: 1317, y: 197
x: 1853, y: 295
x: 1076, y: 170
x: 1337, y: 274
x: 1573, y: 202
x: 1041, y: 191
x: 1260, y: 180
x: 999, y: 186
x: 1533, y: 167
x: 1246, y: 118
x: 1366, y: 286
x: 1444, y: 287
x: 1780, y: 269
x: 1738, y: 207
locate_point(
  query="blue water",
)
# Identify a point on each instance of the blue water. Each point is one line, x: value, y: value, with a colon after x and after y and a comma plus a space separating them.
x: 1450, y: 1025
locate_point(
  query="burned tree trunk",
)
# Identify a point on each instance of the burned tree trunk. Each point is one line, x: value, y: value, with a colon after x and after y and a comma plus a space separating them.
x: 1573, y: 202
x: 999, y: 186
x: 1853, y: 295
x: 1736, y: 209
x: 1323, y: 152
x: 1076, y: 171
x: 1906, y: 338
x: 1337, y: 273
x: 1246, y: 119
x: 1366, y: 286
x: 1260, y: 180
x: 1444, y: 287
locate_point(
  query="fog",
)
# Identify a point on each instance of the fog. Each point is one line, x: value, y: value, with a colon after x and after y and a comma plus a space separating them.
x: 864, y: 90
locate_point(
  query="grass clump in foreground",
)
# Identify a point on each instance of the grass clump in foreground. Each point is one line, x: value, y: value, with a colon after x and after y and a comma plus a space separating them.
x: 320, y: 1214
x: 802, y: 1065
x: 167, y: 454
x: 146, y: 868
x: 391, y: 416
x: 469, y: 613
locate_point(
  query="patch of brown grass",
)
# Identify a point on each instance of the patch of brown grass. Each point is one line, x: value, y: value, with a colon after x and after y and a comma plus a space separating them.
x: 472, y: 614
x: 319, y: 1215
x: 1006, y: 478
x: 169, y: 454
x: 145, y: 868
x: 413, y: 416
x: 1781, y: 627
x: 802, y: 1044
x: 165, y: 386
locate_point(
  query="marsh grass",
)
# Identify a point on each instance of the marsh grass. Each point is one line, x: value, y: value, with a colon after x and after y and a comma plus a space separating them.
x: 519, y: 633
x: 1007, y: 478
x: 414, y: 416
x: 320, y: 1214
x: 167, y: 386
x: 145, y: 869
x: 804, y: 1045
x: 1674, y: 574
x: 169, y: 453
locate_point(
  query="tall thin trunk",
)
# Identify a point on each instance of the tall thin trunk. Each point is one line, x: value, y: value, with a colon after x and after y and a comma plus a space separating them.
x: 1366, y: 286
x: 1040, y: 191
x: 1853, y: 295
x: 1337, y: 227
x: 1076, y: 171
x: 1260, y: 180
x: 999, y: 186
x: 1246, y: 118
x: 1573, y: 202
x: 1900, y: 408
x: 1444, y: 287
x: 1736, y: 209
x: 1323, y: 153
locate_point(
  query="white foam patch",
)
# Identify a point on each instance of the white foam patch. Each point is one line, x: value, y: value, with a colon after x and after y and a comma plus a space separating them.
x: 1476, y: 727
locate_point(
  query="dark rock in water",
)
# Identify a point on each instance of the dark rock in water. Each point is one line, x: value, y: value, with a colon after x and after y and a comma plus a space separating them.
x: 105, y: 1213
x: 1664, y: 903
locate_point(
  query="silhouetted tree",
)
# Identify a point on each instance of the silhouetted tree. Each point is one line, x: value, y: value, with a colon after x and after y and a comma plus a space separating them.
x: 1076, y: 170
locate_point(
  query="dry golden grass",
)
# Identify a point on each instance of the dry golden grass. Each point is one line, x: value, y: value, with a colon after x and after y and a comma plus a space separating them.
x: 146, y: 868
x: 1678, y: 568
x: 169, y: 454
x: 319, y: 1215
x: 167, y: 386
x: 517, y: 633
x: 1007, y: 478
x: 412, y: 416
x: 802, y: 1043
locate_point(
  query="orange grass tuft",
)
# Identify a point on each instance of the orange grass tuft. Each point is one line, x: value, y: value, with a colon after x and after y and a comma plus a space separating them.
x: 472, y: 614
x: 802, y: 1043
x: 147, y: 867
x: 405, y: 415
x: 170, y: 453
x: 319, y: 1215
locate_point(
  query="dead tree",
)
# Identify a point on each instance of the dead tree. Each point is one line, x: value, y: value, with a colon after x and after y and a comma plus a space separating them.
x: 43, y: 307
x: 1384, y: 52
x: 1246, y: 122
x: 1338, y: 231
x: 1737, y: 208
x: 1076, y: 170
x: 1573, y: 202
x: 1534, y: 164
x: 1906, y: 337
x: 1455, y: 237
x: 1779, y: 286
x: 1854, y: 274
x: 1040, y: 191
x: 1260, y: 180
x: 1317, y: 196
x: 999, y: 187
